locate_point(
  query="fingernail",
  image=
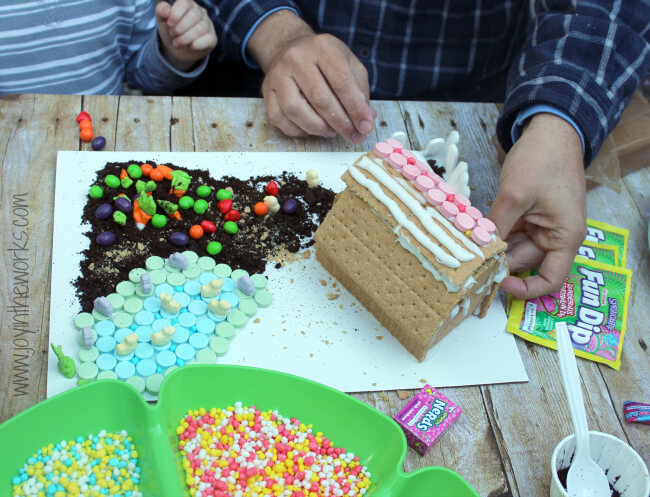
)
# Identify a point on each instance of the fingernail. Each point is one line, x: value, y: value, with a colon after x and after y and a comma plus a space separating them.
x: 330, y: 133
x: 365, y: 127
x: 357, y: 138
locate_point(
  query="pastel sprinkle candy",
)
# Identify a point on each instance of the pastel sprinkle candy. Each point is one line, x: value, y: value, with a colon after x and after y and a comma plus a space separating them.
x: 145, y: 283
x: 246, y: 285
x: 481, y: 236
x: 435, y: 197
x: 212, y: 289
x: 487, y: 225
x: 178, y: 261
x: 168, y: 303
x: 128, y: 345
x: 163, y: 336
x: 103, y: 306
x: 397, y: 161
x: 87, y: 337
x: 463, y: 221
x: 219, y: 307
x: 382, y: 150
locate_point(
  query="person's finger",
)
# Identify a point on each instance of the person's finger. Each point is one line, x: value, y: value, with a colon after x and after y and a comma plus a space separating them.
x: 298, y: 110
x: 524, y: 254
x: 277, y: 118
x: 206, y: 42
x: 179, y: 9
x: 194, y: 33
x: 192, y: 18
x: 163, y: 10
x: 552, y: 273
x: 507, y: 209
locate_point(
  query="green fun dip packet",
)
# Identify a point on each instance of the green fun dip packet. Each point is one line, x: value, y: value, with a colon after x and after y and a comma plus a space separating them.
x: 593, y: 301
x: 603, y: 233
x: 607, y: 254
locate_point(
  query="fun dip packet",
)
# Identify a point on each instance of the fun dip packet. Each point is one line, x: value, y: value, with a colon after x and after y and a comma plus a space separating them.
x: 593, y: 301
x: 601, y: 252
x: 606, y: 234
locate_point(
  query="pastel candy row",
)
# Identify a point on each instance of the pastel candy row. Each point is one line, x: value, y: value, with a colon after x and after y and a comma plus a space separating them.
x: 451, y: 204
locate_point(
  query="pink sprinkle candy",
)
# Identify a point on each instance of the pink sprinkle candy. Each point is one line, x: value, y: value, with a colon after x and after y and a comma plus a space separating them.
x: 449, y: 210
x: 436, y: 179
x: 487, y: 225
x: 410, y: 160
x: 396, y: 161
x: 446, y: 188
x: 394, y: 143
x: 462, y: 200
x: 474, y: 212
x: 382, y: 150
x: 435, y: 197
x: 463, y: 222
x: 424, y: 183
x: 424, y: 167
x: 410, y: 171
x: 481, y: 236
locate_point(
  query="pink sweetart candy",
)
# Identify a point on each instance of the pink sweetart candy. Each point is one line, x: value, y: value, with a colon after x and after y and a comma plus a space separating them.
x: 435, y: 197
x: 395, y: 143
x: 424, y: 167
x: 410, y: 171
x: 448, y: 209
x: 382, y: 150
x: 425, y: 417
x: 487, y: 225
x: 436, y: 179
x: 396, y: 161
x: 474, y: 212
x: 481, y: 236
x: 461, y: 199
x: 446, y: 188
x: 464, y: 222
x: 424, y: 183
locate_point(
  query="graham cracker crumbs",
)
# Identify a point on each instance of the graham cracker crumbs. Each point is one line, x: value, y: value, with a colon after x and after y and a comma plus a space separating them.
x: 257, y: 320
x: 423, y: 380
x: 264, y: 236
x: 403, y: 394
x: 384, y: 395
x: 291, y: 280
x: 140, y: 246
x: 247, y: 210
x: 323, y: 282
x: 374, y: 384
x: 303, y: 332
x: 332, y: 296
x: 379, y: 337
x: 311, y: 355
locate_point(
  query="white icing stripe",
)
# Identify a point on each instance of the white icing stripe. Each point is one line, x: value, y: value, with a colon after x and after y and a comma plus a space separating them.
x: 465, y: 305
x: 406, y: 184
x: 407, y: 245
x: 387, y: 180
x: 440, y: 255
x: 465, y: 240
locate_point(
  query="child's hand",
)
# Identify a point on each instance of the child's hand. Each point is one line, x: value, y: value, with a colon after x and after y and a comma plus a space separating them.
x: 186, y: 31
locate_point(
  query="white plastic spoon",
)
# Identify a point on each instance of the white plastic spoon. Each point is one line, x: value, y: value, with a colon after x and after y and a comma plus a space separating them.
x: 585, y: 477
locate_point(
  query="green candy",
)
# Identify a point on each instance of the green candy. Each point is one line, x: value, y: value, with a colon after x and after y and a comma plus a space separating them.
x: 203, y: 191
x: 230, y: 227
x: 186, y: 202
x: 126, y: 182
x: 167, y: 206
x: 159, y: 221
x: 112, y: 181
x: 96, y: 191
x: 200, y: 206
x: 134, y: 171
x: 119, y: 217
x: 67, y: 366
x: 223, y: 194
x: 147, y: 204
x: 150, y: 186
x: 214, y: 248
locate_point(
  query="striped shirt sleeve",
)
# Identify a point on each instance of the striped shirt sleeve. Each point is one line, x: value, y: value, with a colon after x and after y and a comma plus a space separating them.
x: 583, y: 57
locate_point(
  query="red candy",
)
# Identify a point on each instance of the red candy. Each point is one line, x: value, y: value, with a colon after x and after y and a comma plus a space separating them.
x: 232, y: 215
x: 272, y: 188
x: 461, y: 208
x: 410, y: 160
x: 83, y: 115
x: 450, y: 197
x: 208, y: 226
x: 224, y: 205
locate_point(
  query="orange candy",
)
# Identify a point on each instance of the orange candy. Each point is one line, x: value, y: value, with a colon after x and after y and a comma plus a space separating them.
x: 261, y: 209
x: 167, y: 171
x: 85, y: 124
x: 196, y: 232
x: 157, y: 175
x: 86, y: 134
x: 146, y: 169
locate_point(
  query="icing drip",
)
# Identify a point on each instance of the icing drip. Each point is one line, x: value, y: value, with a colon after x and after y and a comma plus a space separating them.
x: 411, y: 203
x: 440, y: 255
x: 465, y: 306
x: 503, y: 271
x: 452, y: 229
x: 454, y: 311
x: 469, y: 283
x: 407, y: 245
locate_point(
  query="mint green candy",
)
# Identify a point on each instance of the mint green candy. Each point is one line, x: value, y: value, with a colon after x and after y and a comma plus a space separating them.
x: 132, y: 305
x: 206, y: 356
x: 186, y: 202
x: 225, y: 330
x: 116, y: 300
x: 134, y: 171
x: 238, y: 273
x: 88, y: 355
x: 87, y: 371
x: 153, y: 382
x: 125, y: 288
x: 96, y: 191
x: 230, y: 227
x: 237, y: 318
x: 154, y: 262
x: 248, y: 307
x: 159, y: 221
x: 222, y: 270
x: 176, y: 279
x: 263, y: 298
x: 214, y: 248
x: 84, y: 319
x: 112, y: 181
x: 126, y: 182
x: 206, y: 263
x: 200, y: 206
x: 223, y: 194
x: 191, y: 256
x: 99, y: 316
x: 135, y: 274
x: 203, y: 191
x: 107, y: 375
x: 136, y: 382
x: 219, y: 346
x: 259, y: 280
x: 158, y: 276
x: 170, y: 369
x: 192, y: 271
x: 122, y: 319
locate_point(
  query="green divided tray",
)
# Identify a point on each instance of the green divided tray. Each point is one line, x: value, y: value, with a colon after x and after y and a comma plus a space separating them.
x: 114, y: 405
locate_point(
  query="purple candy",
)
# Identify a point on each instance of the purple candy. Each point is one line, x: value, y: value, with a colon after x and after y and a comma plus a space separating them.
x: 179, y: 239
x: 290, y: 206
x: 98, y: 143
x: 123, y: 204
x: 105, y: 238
x: 104, y: 211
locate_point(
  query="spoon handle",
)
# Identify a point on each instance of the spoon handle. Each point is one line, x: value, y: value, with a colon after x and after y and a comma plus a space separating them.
x: 572, y: 388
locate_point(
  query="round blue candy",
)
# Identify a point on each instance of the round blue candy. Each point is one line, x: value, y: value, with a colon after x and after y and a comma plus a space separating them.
x: 228, y: 285
x: 106, y: 362
x: 181, y: 335
x: 144, y: 333
x: 105, y: 344
x: 152, y: 304
x: 104, y: 328
x: 206, y: 278
x: 232, y: 298
x: 198, y: 307
x: 105, y: 238
x: 121, y: 334
x: 164, y: 288
x: 199, y: 341
x: 216, y: 318
x: 104, y: 211
x: 185, y: 352
x: 187, y: 319
x: 127, y: 357
x: 144, y: 351
x: 205, y: 326
x: 146, y: 367
x: 159, y: 348
x: 192, y: 287
x: 124, y: 370
x: 182, y: 298
x: 159, y: 324
x: 144, y: 317
x: 166, y: 358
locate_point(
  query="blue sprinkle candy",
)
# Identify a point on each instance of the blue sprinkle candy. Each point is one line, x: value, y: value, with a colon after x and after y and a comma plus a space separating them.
x: 144, y: 333
x: 152, y: 304
x: 144, y: 351
x: 164, y: 288
x: 172, y: 347
x: 146, y: 367
x: 185, y: 351
x: 105, y: 328
x: 133, y: 326
x: 159, y: 324
x: 198, y: 307
x: 124, y: 370
x: 144, y: 318
x: 134, y: 360
x: 106, y: 362
x: 180, y: 362
x: 205, y: 326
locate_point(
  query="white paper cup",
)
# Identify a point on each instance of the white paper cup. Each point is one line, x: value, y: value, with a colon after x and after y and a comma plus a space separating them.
x: 625, y: 470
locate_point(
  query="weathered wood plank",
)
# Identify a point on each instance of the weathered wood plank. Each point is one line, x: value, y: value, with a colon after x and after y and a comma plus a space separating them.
x: 103, y: 112
x: 182, y: 126
x: 143, y: 123
x: 38, y: 126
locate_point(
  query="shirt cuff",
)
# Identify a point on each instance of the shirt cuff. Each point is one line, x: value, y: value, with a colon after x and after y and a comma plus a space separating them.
x: 515, y: 132
x: 247, y: 61
x: 180, y: 76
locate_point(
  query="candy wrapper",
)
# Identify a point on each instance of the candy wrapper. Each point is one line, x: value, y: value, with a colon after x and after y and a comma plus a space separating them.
x: 593, y: 301
x: 607, y: 254
x: 425, y: 417
x: 636, y: 412
x: 606, y: 234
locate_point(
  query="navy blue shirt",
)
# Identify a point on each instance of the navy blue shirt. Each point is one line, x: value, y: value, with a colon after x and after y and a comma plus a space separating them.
x: 584, y: 58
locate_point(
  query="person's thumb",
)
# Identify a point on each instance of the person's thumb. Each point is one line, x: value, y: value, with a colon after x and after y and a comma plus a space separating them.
x: 506, y: 210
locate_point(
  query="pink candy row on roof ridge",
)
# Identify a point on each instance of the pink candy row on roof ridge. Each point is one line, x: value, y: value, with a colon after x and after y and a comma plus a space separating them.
x: 454, y: 206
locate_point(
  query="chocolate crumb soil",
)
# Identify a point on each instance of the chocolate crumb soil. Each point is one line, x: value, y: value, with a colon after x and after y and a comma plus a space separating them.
x: 258, y: 240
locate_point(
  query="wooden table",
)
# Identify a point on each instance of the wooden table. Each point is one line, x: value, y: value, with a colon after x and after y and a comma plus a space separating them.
x: 502, y: 442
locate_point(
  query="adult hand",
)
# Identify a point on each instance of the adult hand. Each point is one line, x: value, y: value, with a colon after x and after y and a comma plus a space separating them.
x: 186, y: 32
x: 540, y: 209
x: 314, y: 84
